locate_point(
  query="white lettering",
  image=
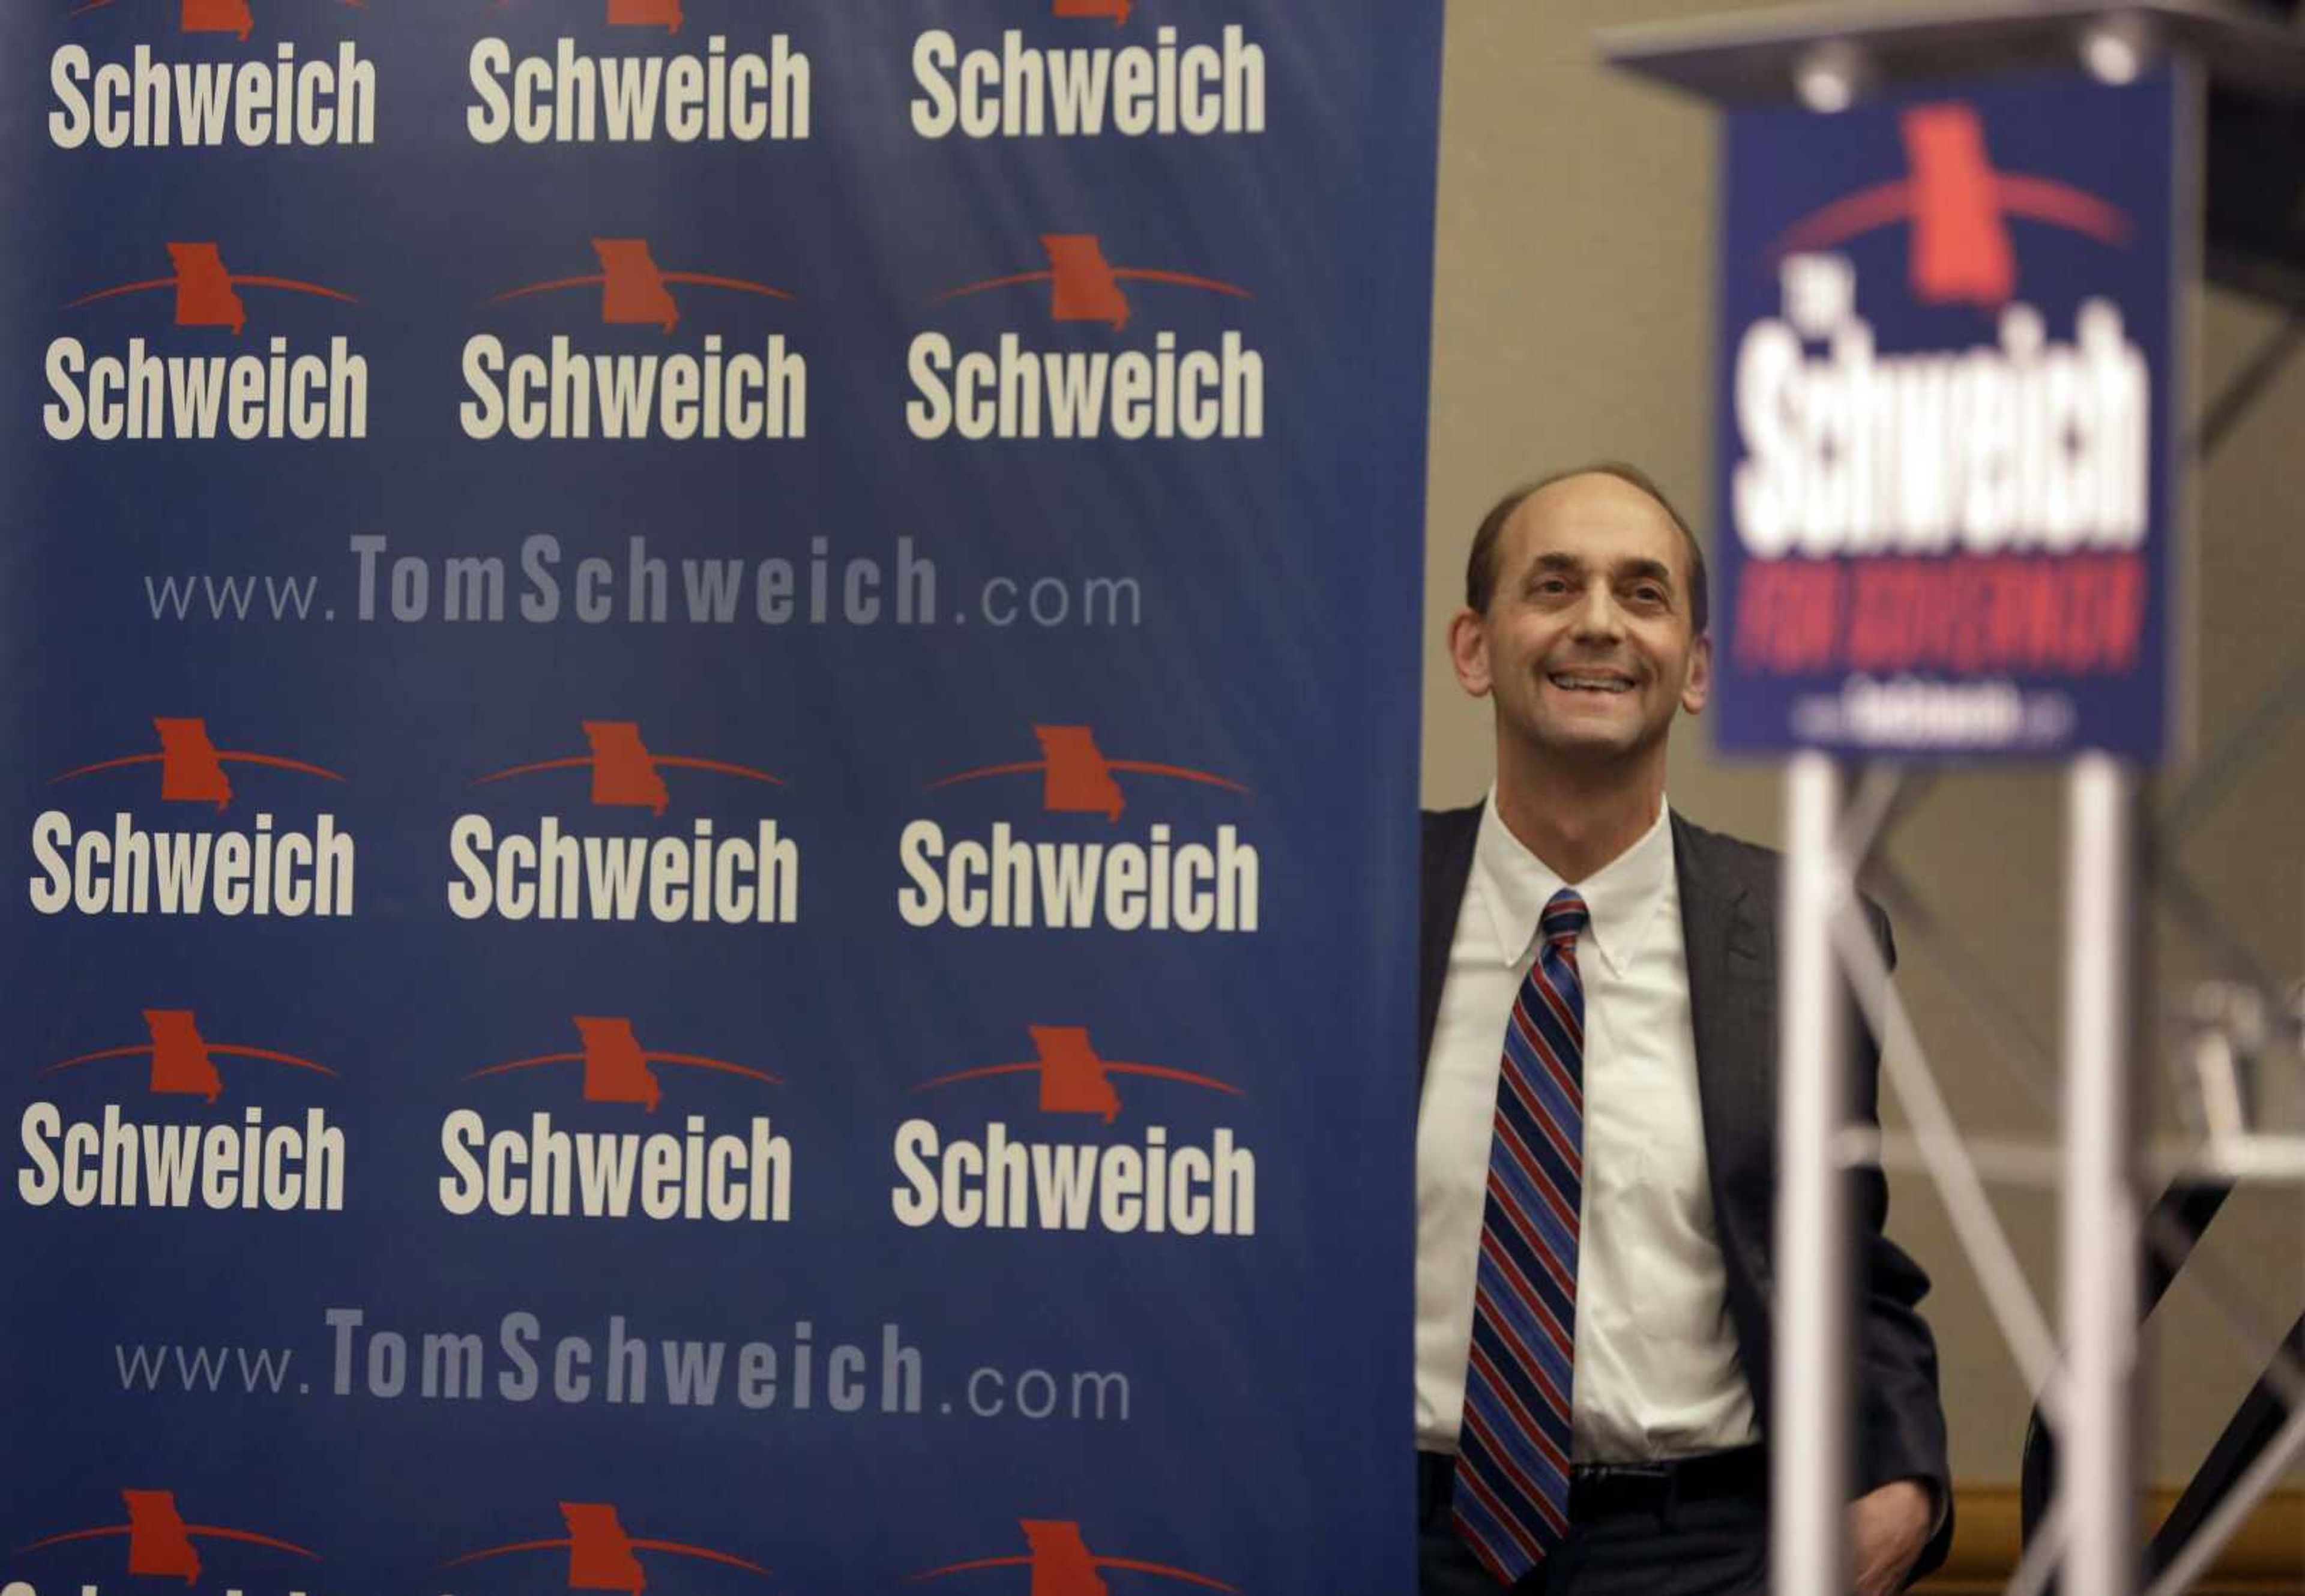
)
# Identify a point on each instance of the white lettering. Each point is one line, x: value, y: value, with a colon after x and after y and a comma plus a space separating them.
x: 1135, y: 92
x: 1009, y: 883
x: 559, y: 875
x: 542, y: 1171
x: 744, y: 97
x: 1003, y: 1182
x: 148, y: 104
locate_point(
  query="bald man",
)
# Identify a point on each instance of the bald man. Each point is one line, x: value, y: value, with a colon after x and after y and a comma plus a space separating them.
x: 1595, y: 1159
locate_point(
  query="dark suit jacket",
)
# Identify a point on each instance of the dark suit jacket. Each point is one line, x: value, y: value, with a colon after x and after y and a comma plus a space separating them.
x: 1728, y: 921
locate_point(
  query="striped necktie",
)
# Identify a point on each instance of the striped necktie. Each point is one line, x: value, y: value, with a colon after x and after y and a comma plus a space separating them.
x: 1511, y: 1502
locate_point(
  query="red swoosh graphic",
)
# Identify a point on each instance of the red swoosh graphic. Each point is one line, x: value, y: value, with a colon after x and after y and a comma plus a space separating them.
x: 698, y: 1061
x: 2044, y: 199
x: 677, y: 1548
x: 597, y: 279
x: 681, y: 1548
x: 234, y: 1050
x: 207, y: 1531
x: 499, y: 1551
x: 236, y: 279
x: 1169, y: 1072
x: 236, y: 757
x: 557, y: 283
x: 98, y: 1534
x: 1132, y: 1564
x: 1146, y: 274
x: 583, y: 761
x: 1137, y: 1566
x: 969, y: 1567
x: 215, y: 1532
x: 86, y: 7
x: 524, y: 1063
x: 1146, y: 767
x: 1112, y: 1068
x: 93, y: 1058
x: 991, y: 283
x: 230, y: 1050
x: 692, y: 1060
x: 1136, y: 767
x: 980, y: 774
x: 680, y: 761
x: 1120, y: 273
x: 738, y: 284
x: 223, y: 757
x: 2036, y: 199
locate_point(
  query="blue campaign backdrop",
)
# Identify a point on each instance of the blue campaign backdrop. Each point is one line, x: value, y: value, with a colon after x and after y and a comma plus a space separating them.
x: 1125, y: 648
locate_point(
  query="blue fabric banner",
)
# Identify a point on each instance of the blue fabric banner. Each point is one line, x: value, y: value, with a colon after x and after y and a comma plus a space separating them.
x: 714, y: 731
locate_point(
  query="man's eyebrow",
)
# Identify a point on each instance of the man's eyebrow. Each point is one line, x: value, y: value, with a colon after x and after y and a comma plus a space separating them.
x: 1636, y: 568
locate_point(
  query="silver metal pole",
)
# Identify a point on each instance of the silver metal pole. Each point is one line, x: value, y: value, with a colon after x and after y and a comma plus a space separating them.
x: 2097, y: 1441
x: 1809, y: 1431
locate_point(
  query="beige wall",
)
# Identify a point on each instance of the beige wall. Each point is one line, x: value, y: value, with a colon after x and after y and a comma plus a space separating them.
x: 1573, y: 318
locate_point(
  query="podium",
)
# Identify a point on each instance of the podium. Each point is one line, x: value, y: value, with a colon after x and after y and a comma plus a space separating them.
x: 2234, y: 78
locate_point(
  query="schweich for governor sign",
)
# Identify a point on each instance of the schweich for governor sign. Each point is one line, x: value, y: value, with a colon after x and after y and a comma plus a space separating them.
x: 1948, y: 490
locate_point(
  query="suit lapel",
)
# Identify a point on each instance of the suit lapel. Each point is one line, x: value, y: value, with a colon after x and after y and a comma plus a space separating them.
x: 1726, y: 930
x: 1448, y: 863
x: 1732, y: 984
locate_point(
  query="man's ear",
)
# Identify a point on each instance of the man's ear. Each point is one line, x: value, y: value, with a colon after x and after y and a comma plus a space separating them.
x: 1469, y: 652
x: 1699, y: 685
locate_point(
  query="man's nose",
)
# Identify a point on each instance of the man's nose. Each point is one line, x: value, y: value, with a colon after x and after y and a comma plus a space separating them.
x: 1597, y: 615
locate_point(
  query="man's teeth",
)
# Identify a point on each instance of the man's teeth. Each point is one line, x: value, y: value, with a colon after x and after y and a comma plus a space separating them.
x: 1592, y: 684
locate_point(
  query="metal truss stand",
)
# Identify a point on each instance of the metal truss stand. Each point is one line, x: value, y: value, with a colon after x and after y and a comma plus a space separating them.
x: 2086, y: 1369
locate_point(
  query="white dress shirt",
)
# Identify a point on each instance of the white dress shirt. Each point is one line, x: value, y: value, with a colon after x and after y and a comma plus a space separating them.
x: 1656, y: 1357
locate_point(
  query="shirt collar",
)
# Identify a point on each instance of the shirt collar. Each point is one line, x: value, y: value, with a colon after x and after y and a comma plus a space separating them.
x: 1623, y: 895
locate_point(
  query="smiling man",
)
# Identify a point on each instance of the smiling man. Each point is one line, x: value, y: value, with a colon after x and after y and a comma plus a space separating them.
x: 1596, y: 1146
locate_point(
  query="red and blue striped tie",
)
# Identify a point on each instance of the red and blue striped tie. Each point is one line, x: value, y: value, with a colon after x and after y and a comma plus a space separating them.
x: 1511, y: 1502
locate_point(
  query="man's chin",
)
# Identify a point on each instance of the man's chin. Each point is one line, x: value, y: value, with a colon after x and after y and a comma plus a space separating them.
x: 1589, y: 744
x: 1596, y: 741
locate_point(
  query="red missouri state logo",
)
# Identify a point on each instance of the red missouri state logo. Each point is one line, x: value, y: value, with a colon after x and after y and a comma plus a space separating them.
x: 162, y: 1545
x: 615, y: 1069
x: 603, y: 1554
x: 192, y: 766
x: 1062, y: 1564
x: 180, y: 1061
x: 235, y: 17
x: 1069, y: 1077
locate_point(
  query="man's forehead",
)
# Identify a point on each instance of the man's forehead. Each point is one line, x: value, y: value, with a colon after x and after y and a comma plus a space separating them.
x: 1594, y: 519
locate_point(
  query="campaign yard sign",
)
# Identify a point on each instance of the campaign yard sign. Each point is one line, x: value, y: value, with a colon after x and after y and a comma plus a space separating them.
x: 1950, y: 490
